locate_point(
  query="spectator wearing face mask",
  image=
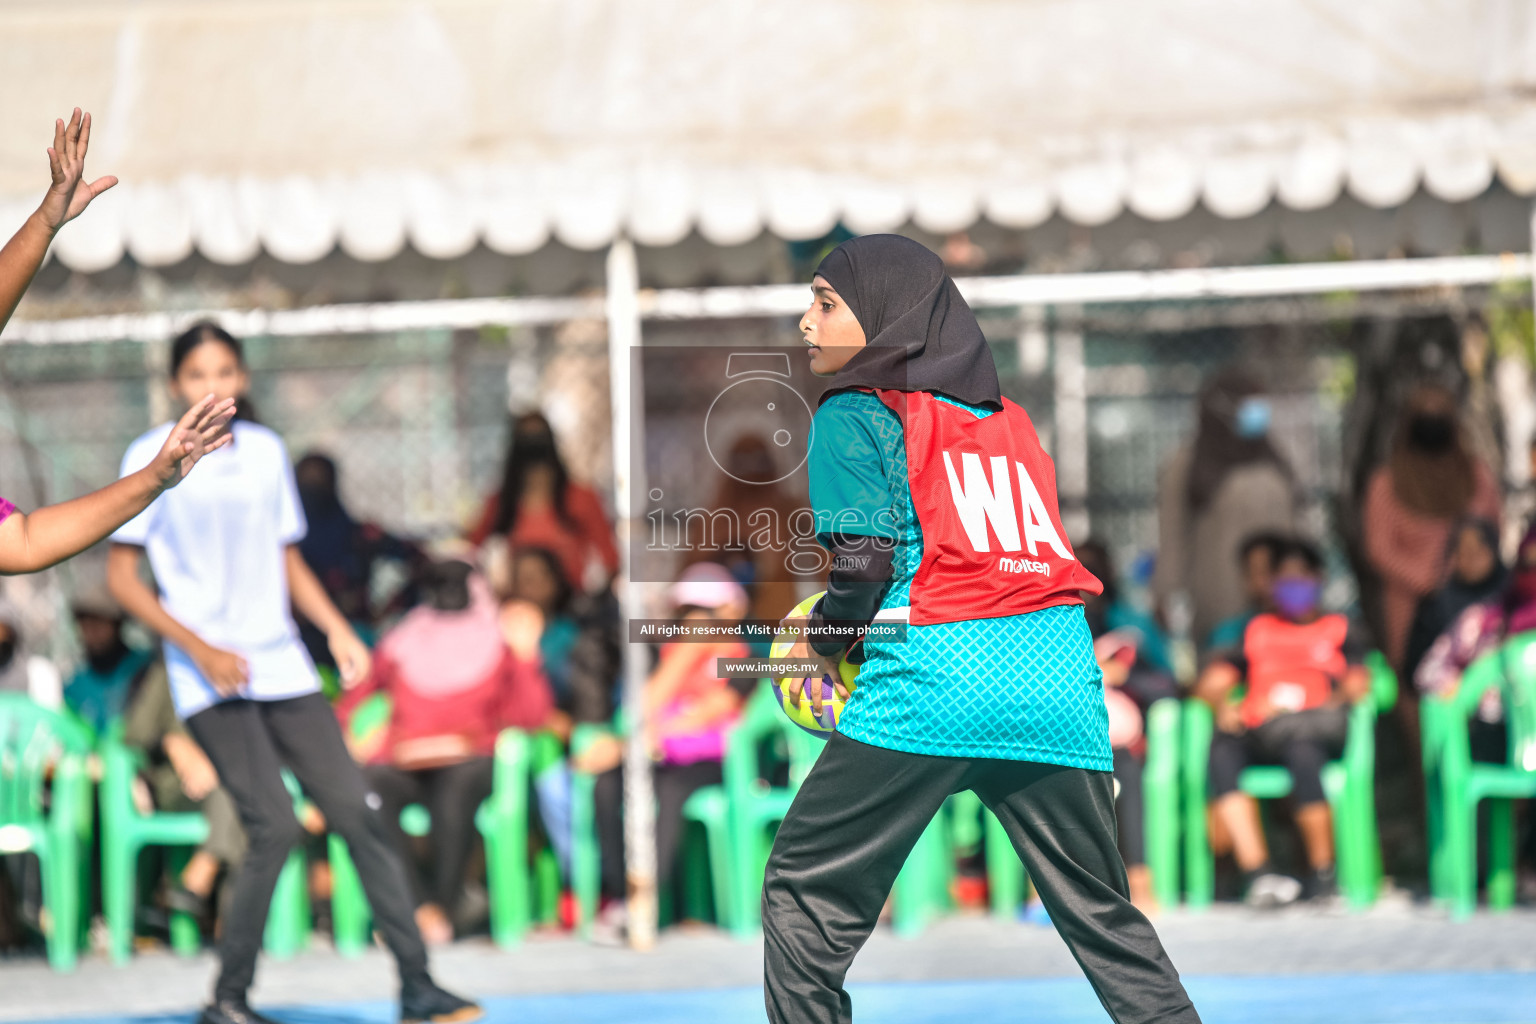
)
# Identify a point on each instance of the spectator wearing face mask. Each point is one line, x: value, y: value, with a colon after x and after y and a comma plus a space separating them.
x: 1302, y: 669
x: 344, y: 554
x: 1430, y: 480
x: 1257, y: 560
x: 1227, y: 485
x: 539, y: 506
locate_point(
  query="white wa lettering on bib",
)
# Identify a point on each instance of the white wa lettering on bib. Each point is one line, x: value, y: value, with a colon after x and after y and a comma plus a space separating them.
x: 980, y: 501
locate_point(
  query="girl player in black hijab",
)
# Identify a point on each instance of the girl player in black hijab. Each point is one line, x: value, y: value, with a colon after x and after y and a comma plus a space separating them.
x: 939, y: 507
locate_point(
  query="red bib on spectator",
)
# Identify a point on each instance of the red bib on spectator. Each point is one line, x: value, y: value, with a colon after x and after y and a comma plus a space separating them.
x: 1291, y: 665
x: 985, y: 495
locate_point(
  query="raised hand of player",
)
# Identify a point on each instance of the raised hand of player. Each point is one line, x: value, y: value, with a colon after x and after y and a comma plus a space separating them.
x: 70, y: 194
x: 203, y: 429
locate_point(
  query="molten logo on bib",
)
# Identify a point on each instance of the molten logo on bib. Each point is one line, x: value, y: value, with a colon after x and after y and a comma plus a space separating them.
x: 985, y: 496
x: 1022, y: 565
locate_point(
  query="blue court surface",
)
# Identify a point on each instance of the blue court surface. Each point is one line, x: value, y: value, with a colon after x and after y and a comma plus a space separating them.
x: 1490, y: 997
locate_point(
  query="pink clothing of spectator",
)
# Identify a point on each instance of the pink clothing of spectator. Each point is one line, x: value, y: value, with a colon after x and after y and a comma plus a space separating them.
x: 1480, y: 629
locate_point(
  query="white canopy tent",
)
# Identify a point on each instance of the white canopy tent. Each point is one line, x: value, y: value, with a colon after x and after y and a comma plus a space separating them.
x: 294, y: 128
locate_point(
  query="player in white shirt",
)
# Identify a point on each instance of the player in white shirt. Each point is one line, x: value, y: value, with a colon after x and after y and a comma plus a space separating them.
x: 224, y: 552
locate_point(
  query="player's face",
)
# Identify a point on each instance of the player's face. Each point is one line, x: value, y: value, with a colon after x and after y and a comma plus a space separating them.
x: 830, y: 329
x: 210, y: 368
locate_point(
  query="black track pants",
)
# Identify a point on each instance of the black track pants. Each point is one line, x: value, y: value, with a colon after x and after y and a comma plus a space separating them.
x: 859, y: 813
x: 249, y: 743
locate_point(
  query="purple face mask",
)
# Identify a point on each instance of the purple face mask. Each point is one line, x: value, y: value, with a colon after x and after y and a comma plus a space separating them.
x: 1296, y: 598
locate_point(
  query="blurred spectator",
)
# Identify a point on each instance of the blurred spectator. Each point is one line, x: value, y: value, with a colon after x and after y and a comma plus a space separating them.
x: 1480, y: 628
x: 179, y: 777
x: 1112, y: 610
x: 21, y: 671
x: 454, y: 682
x: 1302, y: 669
x: 579, y: 644
x: 343, y: 553
x: 538, y: 505
x: 1257, y: 558
x: 751, y: 488
x: 1132, y: 682
x: 100, y: 690
x: 1474, y: 574
x: 688, y: 712
x: 1228, y: 484
x: 1430, y: 480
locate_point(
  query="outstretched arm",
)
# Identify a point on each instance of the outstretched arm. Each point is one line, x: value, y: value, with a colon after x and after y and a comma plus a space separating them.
x: 35, y: 541
x: 66, y: 198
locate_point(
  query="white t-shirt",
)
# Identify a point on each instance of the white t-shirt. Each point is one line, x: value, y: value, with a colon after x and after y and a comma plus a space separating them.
x: 216, y: 543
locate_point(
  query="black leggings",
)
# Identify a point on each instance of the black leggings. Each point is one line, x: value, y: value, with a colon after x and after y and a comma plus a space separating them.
x: 674, y: 783
x: 452, y: 795
x: 859, y: 813
x: 249, y: 743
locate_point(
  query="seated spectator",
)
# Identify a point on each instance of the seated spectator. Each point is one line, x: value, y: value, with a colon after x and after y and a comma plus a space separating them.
x: 21, y: 671
x: 179, y: 777
x: 344, y: 555
x: 688, y: 712
x: 579, y: 643
x: 101, y: 688
x: 1302, y: 669
x: 1474, y: 574
x: 539, y: 505
x: 1131, y: 684
x: 1257, y: 558
x: 1479, y: 629
x: 454, y: 681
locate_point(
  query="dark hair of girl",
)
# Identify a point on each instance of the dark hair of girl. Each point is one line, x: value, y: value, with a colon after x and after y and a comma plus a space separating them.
x: 208, y: 331
x: 564, y: 592
x: 531, y: 443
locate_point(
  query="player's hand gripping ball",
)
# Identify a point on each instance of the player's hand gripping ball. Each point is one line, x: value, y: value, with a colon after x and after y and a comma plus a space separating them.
x: 832, y: 703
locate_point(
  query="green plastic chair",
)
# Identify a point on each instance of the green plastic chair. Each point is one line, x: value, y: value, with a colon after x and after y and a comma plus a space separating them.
x: 51, y: 821
x: 1463, y: 783
x: 737, y: 817
x: 124, y: 832
x: 1348, y: 783
x: 1160, y: 794
x: 503, y: 822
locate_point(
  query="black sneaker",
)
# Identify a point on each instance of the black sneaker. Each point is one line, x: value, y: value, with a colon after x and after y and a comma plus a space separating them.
x: 428, y: 1004
x: 179, y: 897
x: 231, y: 1011
x: 1321, y: 886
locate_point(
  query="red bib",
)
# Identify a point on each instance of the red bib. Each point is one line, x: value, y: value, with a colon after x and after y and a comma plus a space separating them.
x: 985, y: 495
x: 1291, y: 665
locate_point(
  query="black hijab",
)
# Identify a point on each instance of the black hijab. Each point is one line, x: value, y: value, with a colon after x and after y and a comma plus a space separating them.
x: 920, y: 334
